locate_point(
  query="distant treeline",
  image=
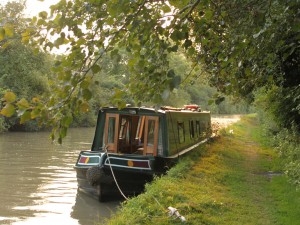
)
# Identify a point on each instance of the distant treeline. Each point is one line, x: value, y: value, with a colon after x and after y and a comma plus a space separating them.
x: 29, y: 75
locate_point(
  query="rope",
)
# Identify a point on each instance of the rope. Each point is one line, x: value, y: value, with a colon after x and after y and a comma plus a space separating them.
x: 112, y: 172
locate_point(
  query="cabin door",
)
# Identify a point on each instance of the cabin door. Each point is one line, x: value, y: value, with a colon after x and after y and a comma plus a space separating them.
x: 151, y: 135
x: 111, y: 132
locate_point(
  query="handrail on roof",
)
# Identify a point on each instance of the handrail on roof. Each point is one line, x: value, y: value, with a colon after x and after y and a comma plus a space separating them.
x: 185, y: 107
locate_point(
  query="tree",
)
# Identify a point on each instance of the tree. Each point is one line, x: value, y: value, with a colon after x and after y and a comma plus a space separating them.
x: 242, y: 45
x: 12, y: 22
x: 22, y: 72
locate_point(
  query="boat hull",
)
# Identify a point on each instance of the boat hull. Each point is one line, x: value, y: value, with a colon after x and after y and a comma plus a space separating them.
x: 99, y: 175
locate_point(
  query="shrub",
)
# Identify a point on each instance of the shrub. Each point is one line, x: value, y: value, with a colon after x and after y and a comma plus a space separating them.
x: 287, y: 144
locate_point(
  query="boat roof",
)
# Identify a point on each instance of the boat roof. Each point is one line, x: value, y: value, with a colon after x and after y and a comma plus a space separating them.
x: 129, y: 109
x: 161, y: 110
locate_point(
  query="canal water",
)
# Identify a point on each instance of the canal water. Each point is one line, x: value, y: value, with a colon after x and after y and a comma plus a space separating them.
x: 38, y: 183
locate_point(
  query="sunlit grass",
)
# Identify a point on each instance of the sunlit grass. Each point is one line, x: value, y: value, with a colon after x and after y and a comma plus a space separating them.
x: 225, y: 182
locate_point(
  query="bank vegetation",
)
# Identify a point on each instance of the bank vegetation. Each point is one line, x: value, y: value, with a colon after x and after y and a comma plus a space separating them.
x: 237, y: 178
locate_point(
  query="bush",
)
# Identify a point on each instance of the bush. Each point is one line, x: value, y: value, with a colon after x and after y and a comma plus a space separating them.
x: 280, y: 124
x: 287, y: 144
x: 3, y: 125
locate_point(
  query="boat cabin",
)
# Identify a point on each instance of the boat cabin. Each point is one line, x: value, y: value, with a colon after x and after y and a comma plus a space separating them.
x: 149, y: 132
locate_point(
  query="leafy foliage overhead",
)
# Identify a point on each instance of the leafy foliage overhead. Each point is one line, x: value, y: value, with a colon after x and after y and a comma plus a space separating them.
x: 241, y: 44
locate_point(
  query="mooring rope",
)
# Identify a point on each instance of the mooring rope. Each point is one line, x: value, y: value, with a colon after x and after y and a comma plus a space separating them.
x: 112, y: 172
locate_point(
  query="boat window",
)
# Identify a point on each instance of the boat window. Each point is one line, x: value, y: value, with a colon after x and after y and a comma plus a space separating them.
x: 140, y: 128
x: 192, y: 130
x: 181, y: 132
x: 125, y: 128
x: 203, y: 126
x: 151, y: 135
x: 151, y: 128
x: 198, y: 128
x: 160, y: 141
x: 111, y: 130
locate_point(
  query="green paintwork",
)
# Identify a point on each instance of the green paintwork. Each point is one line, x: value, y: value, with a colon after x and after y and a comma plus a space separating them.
x: 177, y: 140
x: 172, y: 138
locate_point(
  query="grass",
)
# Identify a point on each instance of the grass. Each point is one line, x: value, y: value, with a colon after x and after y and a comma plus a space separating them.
x: 227, y: 181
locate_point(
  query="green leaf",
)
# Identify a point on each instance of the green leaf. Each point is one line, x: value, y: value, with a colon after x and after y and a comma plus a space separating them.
x: 171, y: 73
x: 9, y: 30
x: 25, y: 37
x: 84, y: 107
x: 166, y: 8
x: 62, y: 133
x: 95, y: 68
x: 175, y: 82
x: 187, y: 43
x: 25, y: 117
x: 81, y: 41
x: 210, y: 101
x: 114, y: 52
x: 35, y: 113
x: 20, y: 112
x: 87, y: 94
x: 9, y: 97
x: 2, y: 33
x: 209, y: 14
x: 23, y: 104
x: 177, y: 35
x: 34, y: 19
x: 67, y: 120
x: 52, y: 136
x: 85, y: 84
x: 247, y: 71
x: 41, y: 22
x: 173, y: 48
x: 8, y: 110
x: 59, y: 41
x: 219, y: 100
x: 43, y: 15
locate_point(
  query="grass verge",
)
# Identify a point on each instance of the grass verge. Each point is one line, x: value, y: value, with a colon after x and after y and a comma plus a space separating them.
x: 236, y: 179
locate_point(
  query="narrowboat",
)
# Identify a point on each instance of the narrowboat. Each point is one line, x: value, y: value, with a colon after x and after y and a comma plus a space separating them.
x: 133, y: 144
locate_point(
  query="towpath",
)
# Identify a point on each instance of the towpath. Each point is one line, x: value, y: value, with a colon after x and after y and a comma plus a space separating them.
x: 225, y: 182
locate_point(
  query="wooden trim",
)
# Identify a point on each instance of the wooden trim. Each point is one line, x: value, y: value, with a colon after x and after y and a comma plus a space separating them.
x: 141, y: 128
x: 153, y: 149
x: 112, y: 147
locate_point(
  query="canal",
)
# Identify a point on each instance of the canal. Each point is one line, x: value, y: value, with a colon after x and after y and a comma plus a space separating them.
x: 38, y: 183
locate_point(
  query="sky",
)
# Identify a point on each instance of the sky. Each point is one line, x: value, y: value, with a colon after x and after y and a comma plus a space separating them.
x: 35, y: 6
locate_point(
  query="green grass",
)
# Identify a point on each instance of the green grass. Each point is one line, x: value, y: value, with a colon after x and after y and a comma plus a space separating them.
x: 224, y: 182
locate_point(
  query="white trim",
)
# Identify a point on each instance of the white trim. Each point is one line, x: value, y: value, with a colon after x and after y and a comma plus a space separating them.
x: 188, y: 149
x: 128, y: 159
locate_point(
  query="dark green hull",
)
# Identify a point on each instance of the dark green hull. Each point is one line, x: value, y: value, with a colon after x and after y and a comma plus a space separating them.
x: 131, y: 172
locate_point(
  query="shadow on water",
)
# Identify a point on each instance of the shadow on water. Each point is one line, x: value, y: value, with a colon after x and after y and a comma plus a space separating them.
x: 92, y: 209
x: 38, y: 183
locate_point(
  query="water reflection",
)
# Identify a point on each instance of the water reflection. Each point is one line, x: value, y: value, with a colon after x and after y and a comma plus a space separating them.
x: 38, y: 183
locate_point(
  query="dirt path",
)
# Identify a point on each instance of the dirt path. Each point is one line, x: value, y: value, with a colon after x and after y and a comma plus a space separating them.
x: 224, y: 121
x: 219, y: 122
